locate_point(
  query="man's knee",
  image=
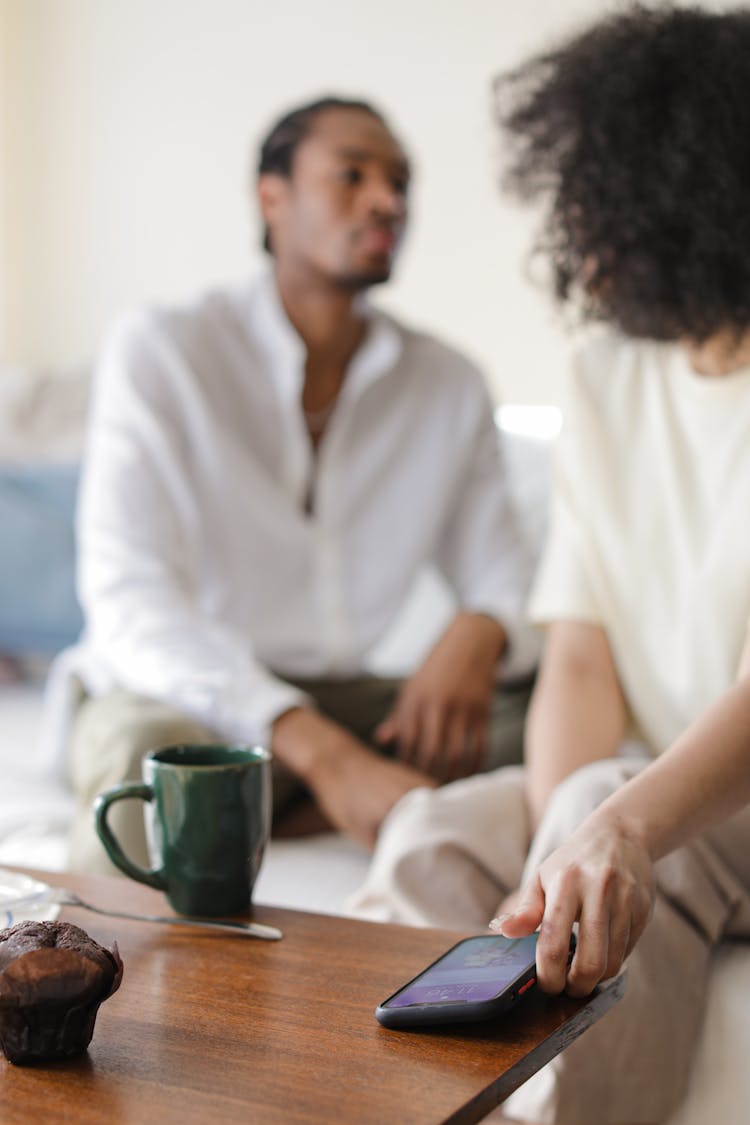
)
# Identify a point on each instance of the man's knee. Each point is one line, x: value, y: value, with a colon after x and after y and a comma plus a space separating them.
x: 112, y: 734
x: 110, y: 737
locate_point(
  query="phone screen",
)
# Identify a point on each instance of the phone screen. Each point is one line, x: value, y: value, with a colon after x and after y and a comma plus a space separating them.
x: 477, y: 969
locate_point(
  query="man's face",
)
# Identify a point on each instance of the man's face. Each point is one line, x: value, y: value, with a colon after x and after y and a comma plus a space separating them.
x: 340, y: 215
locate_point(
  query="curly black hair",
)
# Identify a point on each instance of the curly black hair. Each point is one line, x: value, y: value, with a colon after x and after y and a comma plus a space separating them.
x: 636, y: 134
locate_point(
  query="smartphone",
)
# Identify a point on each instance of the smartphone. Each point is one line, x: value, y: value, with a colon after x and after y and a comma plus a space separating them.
x: 477, y: 979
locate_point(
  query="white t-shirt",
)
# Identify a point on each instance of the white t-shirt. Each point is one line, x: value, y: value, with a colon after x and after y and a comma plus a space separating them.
x: 650, y: 526
x: 201, y: 573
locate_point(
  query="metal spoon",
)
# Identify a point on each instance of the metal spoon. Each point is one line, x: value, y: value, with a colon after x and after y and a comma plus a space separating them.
x: 47, y: 895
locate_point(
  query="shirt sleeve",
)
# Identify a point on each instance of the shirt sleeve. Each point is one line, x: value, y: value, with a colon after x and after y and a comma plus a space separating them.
x: 141, y: 551
x: 564, y: 587
x: 486, y: 555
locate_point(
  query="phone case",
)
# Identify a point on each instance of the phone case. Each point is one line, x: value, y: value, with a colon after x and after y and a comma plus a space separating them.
x: 454, y: 1011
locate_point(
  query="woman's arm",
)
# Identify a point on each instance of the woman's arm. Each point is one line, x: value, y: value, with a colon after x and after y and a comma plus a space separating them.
x: 577, y: 712
x: 603, y: 875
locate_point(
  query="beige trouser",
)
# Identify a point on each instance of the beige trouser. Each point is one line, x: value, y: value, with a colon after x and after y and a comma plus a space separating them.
x: 112, y: 733
x: 447, y: 857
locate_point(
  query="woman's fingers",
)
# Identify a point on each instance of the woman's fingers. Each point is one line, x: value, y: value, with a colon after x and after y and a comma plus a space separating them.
x: 606, y: 893
x: 561, y: 910
x: 591, y: 958
x: 527, y: 914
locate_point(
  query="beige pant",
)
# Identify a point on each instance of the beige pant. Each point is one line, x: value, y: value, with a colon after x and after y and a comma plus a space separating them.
x: 112, y: 733
x: 447, y: 857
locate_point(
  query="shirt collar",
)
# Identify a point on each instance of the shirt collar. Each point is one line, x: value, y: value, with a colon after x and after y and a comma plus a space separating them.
x: 285, y: 351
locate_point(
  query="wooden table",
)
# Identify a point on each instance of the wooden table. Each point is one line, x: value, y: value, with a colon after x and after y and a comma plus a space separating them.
x: 218, y: 1028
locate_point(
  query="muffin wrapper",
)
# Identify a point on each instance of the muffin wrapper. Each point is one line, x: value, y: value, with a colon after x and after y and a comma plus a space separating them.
x: 49, y: 999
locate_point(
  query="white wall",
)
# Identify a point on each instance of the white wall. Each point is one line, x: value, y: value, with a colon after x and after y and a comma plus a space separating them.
x: 131, y: 124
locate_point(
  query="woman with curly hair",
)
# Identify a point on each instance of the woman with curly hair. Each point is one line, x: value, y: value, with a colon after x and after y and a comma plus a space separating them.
x: 635, y: 136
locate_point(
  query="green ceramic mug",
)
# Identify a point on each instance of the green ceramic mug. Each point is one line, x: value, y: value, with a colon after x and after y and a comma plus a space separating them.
x: 208, y: 820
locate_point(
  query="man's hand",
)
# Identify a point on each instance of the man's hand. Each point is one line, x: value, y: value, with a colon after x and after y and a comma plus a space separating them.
x: 354, y: 787
x: 603, y: 878
x: 439, y: 722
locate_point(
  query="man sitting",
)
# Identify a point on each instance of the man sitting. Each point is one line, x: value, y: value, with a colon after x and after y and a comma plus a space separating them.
x: 268, y: 469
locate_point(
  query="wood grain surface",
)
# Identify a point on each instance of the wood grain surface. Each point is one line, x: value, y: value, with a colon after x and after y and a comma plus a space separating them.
x: 217, y: 1028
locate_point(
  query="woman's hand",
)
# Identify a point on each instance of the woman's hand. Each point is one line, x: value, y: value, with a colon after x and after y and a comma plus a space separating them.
x: 602, y: 878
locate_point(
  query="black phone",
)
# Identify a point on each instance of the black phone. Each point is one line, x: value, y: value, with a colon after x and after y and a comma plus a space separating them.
x: 476, y: 979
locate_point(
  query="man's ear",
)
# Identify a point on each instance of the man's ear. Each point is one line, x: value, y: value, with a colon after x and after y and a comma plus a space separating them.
x: 272, y: 192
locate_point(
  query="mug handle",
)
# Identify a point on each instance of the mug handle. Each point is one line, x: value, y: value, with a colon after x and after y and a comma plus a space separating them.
x: 152, y: 877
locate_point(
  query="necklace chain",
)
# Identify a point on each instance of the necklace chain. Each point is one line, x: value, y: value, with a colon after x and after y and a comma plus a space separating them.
x: 316, y: 419
x: 318, y: 415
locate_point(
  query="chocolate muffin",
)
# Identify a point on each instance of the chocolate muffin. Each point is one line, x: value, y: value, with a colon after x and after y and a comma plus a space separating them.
x: 53, y: 977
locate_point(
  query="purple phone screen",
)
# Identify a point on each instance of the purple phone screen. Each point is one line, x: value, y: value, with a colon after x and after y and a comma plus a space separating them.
x: 477, y: 969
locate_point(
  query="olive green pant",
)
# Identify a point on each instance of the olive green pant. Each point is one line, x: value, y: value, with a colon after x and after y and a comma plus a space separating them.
x: 113, y: 732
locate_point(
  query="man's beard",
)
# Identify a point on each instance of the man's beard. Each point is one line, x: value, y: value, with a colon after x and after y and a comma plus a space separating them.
x: 356, y: 282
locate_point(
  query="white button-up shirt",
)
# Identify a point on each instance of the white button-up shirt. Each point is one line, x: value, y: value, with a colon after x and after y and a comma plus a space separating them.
x: 204, y: 579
